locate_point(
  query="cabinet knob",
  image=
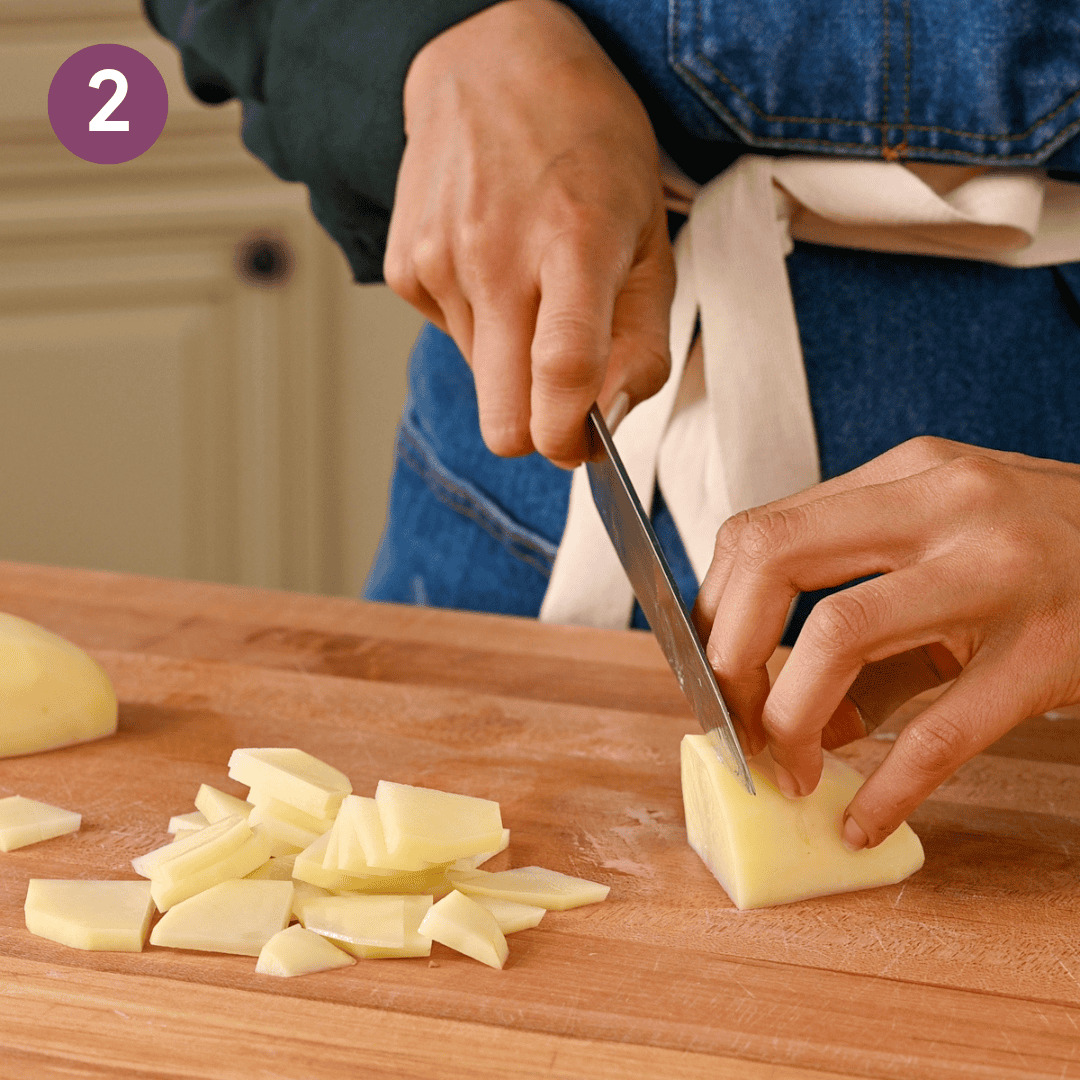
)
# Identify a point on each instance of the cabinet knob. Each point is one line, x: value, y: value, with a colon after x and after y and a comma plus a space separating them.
x: 264, y: 259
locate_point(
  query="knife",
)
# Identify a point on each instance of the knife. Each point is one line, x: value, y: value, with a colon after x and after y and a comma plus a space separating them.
x: 639, y: 552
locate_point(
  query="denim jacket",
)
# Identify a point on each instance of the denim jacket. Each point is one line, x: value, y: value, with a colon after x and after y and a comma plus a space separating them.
x: 966, y: 81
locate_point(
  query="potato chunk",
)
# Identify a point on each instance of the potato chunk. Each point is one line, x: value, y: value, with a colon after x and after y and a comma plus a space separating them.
x: 97, y: 915
x: 51, y: 692
x: 531, y: 885
x: 296, y: 951
x: 511, y: 915
x: 251, y: 854
x: 216, y: 805
x: 766, y: 849
x: 231, y: 917
x: 371, y: 926
x: 182, y: 858
x: 436, y: 826
x: 181, y: 825
x: 363, y: 845
x: 291, y: 776
x: 27, y: 821
x: 461, y: 924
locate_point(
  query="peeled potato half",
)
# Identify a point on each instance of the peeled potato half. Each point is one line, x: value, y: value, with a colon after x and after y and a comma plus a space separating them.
x: 52, y: 693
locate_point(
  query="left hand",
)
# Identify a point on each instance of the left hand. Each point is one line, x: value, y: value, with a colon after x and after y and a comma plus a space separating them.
x: 978, y: 553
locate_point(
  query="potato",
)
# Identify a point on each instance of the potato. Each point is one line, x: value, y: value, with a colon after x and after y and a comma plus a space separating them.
x: 371, y: 927
x: 436, y: 826
x: 27, y: 821
x: 463, y: 925
x: 511, y: 915
x: 231, y: 917
x: 234, y: 881
x: 531, y: 885
x: 296, y: 951
x: 291, y: 776
x: 97, y: 915
x: 51, y: 692
x: 216, y: 805
x: 251, y: 854
x: 766, y: 849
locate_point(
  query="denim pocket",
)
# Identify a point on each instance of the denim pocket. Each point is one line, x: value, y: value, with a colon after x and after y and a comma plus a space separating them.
x: 971, y: 81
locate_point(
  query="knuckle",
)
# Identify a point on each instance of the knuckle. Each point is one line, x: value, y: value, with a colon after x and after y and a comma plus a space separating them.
x: 933, y: 748
x: 975, y: 480
x: 927, y: 451
x: 432, y: 262
x: 727, y: 538
x: 840, y: 621
x: 565, y: 354
x: 764, y: 536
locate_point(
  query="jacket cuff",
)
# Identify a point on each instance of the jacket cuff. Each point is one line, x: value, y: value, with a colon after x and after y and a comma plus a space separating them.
x: 321, y: 84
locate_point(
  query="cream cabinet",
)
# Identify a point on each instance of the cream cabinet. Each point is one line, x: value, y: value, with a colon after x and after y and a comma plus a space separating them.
x: 190, y: 383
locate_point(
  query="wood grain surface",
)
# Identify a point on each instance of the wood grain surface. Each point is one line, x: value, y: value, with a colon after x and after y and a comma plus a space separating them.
x: 968, y: 969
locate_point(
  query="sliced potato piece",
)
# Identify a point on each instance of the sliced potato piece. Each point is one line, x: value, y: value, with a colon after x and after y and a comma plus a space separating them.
x: 181, y: 825
x: 172, y: 862
x: 309, y: 867
x: 249, y: 856
x: 231, y: 917
x: 285, y: 812
x: 51, y: 692
x: 216, y: 804
x: 280, y: 830
x: 531, y: 885
x: 27, y: 821
x: 436, y: 826
x: 363, y: 814
x: 303, y: 893
x: 460, y: 923
x: 765, y: 849
x: 296, y: 951
x: 471, y: 862
x: 356, y: 922
x: 291, y: 776
x: 510, y: 915
x: 97, y: 915
x: 276, y: 868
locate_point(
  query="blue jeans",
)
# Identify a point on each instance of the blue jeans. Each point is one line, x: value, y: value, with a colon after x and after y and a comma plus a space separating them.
x: 894, y: 346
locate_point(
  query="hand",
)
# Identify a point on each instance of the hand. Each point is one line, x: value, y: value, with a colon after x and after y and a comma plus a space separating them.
x: 978, y: 554
x: 529, y: 224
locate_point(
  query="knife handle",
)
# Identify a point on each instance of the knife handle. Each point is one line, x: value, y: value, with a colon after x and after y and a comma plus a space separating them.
x: 884, y: 685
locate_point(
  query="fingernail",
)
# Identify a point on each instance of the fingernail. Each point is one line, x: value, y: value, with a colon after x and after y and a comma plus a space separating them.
x: 620, y: 406
x: 853, y: 837
x: 786, y: 783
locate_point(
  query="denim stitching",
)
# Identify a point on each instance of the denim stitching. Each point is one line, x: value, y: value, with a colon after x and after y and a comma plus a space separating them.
x: 907, y: 68
x: 463, y: 498
x: 797, y: 142
x: 777, y: 140
x: 885, y: 72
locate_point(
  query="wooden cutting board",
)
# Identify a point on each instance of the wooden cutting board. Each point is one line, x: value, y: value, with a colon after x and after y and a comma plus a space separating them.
x: 968, y: 969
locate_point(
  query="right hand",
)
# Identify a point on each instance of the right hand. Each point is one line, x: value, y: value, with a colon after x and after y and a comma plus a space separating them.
x: 529, y: 224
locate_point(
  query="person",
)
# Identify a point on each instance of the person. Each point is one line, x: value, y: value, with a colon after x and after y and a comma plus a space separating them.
x: 505, y: 160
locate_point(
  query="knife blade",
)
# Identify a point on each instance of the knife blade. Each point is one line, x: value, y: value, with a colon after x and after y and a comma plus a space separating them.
x: 650, y: 575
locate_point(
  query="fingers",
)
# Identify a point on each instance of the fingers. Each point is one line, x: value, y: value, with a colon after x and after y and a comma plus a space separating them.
x: 909, y: 459
x: 875, y: 619
x: 776, y: 554
x: 501, y: 363
x: 975, y: 711
x: 640, y: 362
x: 570, y: 349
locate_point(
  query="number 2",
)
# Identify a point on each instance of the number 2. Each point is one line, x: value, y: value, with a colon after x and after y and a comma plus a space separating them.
x: 100, y: 121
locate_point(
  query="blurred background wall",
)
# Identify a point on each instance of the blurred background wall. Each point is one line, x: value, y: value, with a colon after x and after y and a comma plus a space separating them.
x: 190, y: 383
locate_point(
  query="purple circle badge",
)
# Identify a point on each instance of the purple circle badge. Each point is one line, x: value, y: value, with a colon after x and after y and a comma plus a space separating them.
x: 108, y: 104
